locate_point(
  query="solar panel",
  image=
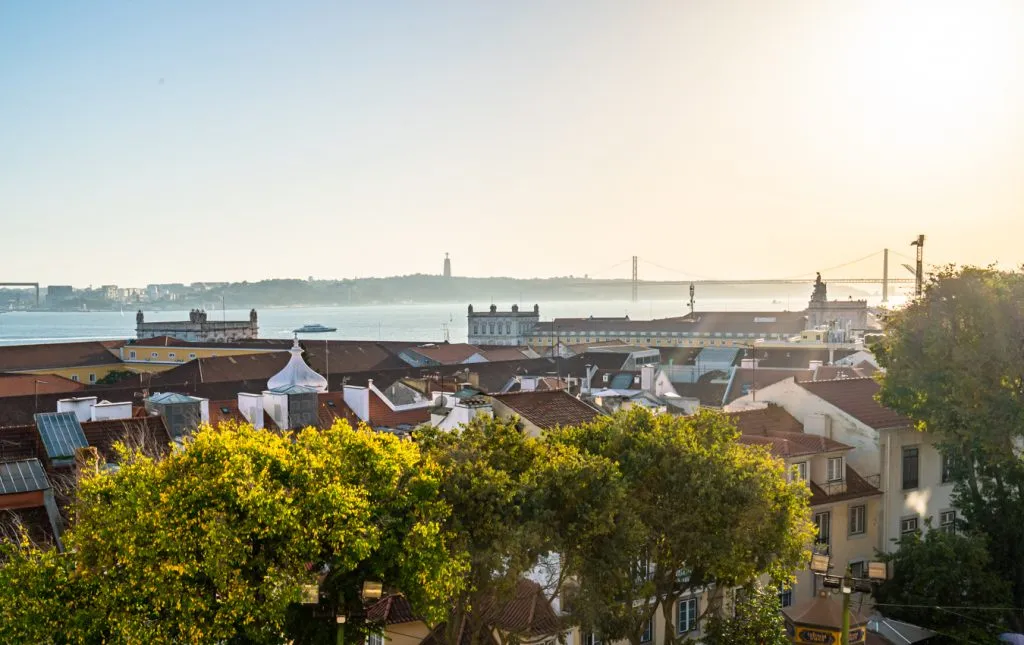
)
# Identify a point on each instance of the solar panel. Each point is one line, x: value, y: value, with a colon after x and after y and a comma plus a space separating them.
x: 24, y: 476
x: 61, y: 433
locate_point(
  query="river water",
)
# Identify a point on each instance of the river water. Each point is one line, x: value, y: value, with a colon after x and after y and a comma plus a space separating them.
x: 413, y: 322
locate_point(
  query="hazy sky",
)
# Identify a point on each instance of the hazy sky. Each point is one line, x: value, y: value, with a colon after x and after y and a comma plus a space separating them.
x: 145, y: 141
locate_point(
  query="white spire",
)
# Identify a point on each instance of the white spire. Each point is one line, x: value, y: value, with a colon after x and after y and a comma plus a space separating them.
x: 296, y: 372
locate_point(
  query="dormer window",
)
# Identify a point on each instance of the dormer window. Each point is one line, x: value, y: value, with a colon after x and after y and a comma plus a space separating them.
x: 799, y: 471
x: 835, y: 469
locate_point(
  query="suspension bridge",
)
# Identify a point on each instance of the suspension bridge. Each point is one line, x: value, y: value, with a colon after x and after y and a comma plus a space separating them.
x: 884, y: 279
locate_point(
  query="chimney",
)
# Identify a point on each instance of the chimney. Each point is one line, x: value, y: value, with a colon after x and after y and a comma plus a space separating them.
x: 81, y: 406
x: 105, y: 411
x: 647, y: 378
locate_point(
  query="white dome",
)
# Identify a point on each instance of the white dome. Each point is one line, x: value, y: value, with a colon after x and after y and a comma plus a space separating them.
x: 296, y: 372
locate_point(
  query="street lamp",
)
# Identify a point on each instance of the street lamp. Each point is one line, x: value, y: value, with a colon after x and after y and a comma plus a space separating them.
x: 846, y: 584
x: 313, y: 593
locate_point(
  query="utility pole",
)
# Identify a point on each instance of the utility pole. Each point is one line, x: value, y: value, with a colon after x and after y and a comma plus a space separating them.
x: 919, y: 273
x: 885, y: 276
x: 636, y: 285
x: 847, y: 591
x: 692, y: 290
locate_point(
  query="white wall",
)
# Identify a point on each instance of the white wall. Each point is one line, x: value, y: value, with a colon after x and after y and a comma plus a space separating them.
x: 276, y: 405
x: 106, y: 411
x: 81, y: 406
x: 931, y: 496
x: 251, y: 407
x: 358, y: 399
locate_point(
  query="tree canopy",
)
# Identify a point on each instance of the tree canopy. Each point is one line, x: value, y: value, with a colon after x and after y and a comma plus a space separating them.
x: 757, y: 620
x: 954, y: 362
x: 215, y: 542
x: 936, y: 577
x: 702, y: 509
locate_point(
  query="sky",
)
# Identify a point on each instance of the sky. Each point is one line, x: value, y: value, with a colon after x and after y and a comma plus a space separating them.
x: 183, y: 141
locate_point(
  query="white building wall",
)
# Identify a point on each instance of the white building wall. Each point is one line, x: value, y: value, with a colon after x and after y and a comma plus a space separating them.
x: 931, y: 496
x: 251, y: 407
x: 276, y: 405
x: 358, y: 399
x: 106, y: 411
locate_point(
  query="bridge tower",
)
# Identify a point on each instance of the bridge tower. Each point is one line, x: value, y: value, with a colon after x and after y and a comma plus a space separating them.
x: 636, y: 282
x: 919, y: 272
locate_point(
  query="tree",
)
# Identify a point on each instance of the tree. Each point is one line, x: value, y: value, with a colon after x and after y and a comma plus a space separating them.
x: 116, y: 376
x: 215, y: 542
x: 517, y: 503
x: 757, y: 621
x: 703, y: 510
x: 936, y: 577
x: 954, y: 362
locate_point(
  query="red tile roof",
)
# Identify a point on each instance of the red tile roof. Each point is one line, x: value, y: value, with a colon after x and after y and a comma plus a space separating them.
x: 145, y: 432
x: 58, y: 355
x: 30, y: 384
x: 747, y: 378
x: 834, y: 372
x: 856, y: 397
x: 393, y: 609
x: 794, y: 444
x: 382, y: 416
x: 529, y: 613
x: 20, y: 442
x: 548, y: 410
x: 332, y: 406
x: 766, y: 421
x: 447, y: 354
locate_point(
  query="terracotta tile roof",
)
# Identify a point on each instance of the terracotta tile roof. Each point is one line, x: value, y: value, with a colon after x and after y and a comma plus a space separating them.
x: 834, y: 372
x: 529, y: 613
x: 332, y: 406
x: 710, y: 389
x: 794, y: 444
x: 226, y: 411
x: 445, y: 353
x: 766, y: 421
x: 795, y: 357
x: 822, y: 611
x: 502, y: 353
x: 856, y: 487
x: 382, y: 416
x: 29, y: 384
x: 392, y: 609
x: 104, y: 434
x: 20, y: 442
x: 548, y: 410
x: 349, y: 356
x: 218, y: 369
x: 701, y: 322
x: 58, y: 355
x: 856, y: 397
x: 746, y: 379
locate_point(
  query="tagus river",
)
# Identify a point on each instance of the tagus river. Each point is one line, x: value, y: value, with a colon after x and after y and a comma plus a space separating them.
x: 413, y: 322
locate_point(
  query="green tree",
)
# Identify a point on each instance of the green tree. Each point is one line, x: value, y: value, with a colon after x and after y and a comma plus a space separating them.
x: 757, y: 620
x: 215, y: 542
x: 703, y: 510
x: 116, y: 376
x: 517, y: 504
x: 954, y: 362
x: 940, y: 569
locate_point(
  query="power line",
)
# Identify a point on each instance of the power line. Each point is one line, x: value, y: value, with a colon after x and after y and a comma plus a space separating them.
x: 879, y: 604
x: 677, y: 271
x: 839, y: 266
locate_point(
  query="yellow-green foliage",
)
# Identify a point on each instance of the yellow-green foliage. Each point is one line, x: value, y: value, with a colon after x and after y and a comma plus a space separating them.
x: 214, y: 542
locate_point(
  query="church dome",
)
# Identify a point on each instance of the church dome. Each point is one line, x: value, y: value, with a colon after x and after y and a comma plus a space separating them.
x: 297, y: 373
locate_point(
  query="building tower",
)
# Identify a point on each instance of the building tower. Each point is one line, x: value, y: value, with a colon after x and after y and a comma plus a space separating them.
x: 447, y: 266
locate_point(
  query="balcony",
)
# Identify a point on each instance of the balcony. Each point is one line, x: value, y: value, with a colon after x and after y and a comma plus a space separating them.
x: 852, y: 486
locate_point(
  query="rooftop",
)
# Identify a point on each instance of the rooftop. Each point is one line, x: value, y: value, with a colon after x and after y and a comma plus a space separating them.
x: 856, y: 397
x: 58, y: 355
x: 549, y: 409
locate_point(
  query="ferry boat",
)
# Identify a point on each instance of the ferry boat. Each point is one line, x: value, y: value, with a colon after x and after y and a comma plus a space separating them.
x: 314, y: 329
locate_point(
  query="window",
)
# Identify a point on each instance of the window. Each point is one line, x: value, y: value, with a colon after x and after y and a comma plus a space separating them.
x: 192, y: 355
x: 824, y: 523
x: 474, y: 329
x: 92, y: 378
x: 508, y: 328
x: 835, y: 469
x: 153, y: 354
x: 131, y: 354
x: 910, y: 468
x: 799, y: 471
x: 947, y: 521
x: 857, y: 516
x: 591, y: 639
x: 74, y: 377
x: 375, y: 639
x: 687, y: 621
x: 648, y: 634
x: 947, y: 468
x: 171, y: 355
x: 908, y: 525
x: 785, y: 597
x: 858, y: 568
x: 490, y: 327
